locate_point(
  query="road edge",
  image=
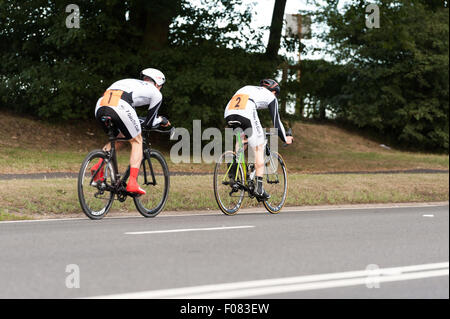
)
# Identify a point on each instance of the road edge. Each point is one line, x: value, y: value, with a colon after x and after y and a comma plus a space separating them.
x: 253, y: 210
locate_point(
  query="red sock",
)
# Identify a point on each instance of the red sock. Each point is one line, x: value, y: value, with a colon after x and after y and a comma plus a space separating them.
x: 134, y: 172
x: 100, y: 161
x: 132, y: 183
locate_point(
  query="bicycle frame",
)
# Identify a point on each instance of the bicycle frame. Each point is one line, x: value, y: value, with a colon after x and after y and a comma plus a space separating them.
x: 247, y: 183
x: 146, y: 158
x: 241, y: 160
x: 240, y: 157
x: 112, y: 158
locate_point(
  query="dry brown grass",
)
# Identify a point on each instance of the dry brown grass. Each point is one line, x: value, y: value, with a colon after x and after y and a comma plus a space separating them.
x: 29, y: 146
x: 328, y: 148
x: 24, y: 132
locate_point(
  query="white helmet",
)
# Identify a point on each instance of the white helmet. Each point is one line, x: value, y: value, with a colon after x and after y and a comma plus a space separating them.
x: 156, y: 75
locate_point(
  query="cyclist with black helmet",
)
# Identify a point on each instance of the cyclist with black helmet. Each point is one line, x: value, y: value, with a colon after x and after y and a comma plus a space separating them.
x: 118, y: 102
x: 241, y: 111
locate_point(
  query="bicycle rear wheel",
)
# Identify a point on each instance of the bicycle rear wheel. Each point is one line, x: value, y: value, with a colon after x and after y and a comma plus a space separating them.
x: 96, y: 197
x: 154, y: 179
x: 229, y: 195
x: 275, y: 182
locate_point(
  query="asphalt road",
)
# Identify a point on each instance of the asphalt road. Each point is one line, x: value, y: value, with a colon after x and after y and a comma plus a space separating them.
x: 348, y: 253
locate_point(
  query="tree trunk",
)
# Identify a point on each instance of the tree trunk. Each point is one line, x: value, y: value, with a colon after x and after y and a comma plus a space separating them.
x: 154, y: 17
x: 275, y: 29
x: 322, y: 111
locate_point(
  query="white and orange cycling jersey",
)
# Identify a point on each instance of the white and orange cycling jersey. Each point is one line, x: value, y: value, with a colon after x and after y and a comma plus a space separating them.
x: 245, y: 103
x: 124, y: 95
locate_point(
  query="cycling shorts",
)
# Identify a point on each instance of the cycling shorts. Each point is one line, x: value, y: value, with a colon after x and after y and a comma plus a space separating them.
x: 249, y: 122
x: 123, y: 116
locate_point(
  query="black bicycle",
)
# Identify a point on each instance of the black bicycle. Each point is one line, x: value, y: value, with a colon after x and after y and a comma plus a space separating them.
x: 96, y: 195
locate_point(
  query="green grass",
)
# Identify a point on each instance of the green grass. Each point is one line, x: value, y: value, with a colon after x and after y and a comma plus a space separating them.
x: 316, y: 148
x: 58, y: 197
x: 5, y: 215
x: 34, y: 160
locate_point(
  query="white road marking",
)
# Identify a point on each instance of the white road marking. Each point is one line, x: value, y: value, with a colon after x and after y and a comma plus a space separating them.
x: 293, y: 284
x: 184, y: 230
x: 315, y: 285
x: 428, y: 215
x: 258, y: 211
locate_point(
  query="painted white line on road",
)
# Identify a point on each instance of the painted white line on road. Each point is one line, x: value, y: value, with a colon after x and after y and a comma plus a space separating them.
x: 315, y: 285
x: 184, y: 230
x: 292, y: 284
x: 428, y: 215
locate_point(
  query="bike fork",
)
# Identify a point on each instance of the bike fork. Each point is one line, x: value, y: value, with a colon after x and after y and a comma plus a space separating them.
x: 147, y: 159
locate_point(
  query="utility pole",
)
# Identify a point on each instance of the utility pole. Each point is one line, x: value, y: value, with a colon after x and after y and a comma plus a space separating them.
x: 297, y: 25
x: 298, y: 102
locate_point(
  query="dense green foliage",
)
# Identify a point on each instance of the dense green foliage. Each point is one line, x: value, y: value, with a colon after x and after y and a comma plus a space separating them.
x: 204, y: 77
x: 53, y: 72
x: 392, y: 80
x: 396, y: 76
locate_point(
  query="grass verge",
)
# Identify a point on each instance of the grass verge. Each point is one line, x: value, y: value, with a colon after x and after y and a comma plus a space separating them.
x: 5, y: 215
x: 316, y: 148
x: 35, y: 161
x: 58, y: 197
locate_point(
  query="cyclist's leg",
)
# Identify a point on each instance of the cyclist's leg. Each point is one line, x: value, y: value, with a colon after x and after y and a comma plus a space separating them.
x: 135, y: 163
x: 244, y: 140
x: 257, y: 143
x: 136, y: 152
x: 101, y: 111
x: 131, y: 128
x: 126, y: 120
x: 119, y: 144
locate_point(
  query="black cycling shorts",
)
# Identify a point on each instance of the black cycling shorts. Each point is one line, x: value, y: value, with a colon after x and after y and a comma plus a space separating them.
x: 119, y: 126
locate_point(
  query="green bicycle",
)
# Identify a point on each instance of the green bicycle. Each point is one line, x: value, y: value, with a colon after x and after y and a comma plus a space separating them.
x: 230, y: 187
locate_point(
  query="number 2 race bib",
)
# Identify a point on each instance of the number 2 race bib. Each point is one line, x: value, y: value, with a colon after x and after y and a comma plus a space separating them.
x: 238, y: 102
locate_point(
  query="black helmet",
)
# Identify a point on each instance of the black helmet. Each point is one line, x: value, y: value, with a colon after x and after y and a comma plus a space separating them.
x: 271, y: 85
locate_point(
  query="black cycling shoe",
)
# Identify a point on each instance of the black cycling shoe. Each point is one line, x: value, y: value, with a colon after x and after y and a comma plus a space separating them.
x: 259, y: 192
x: 264, y: 195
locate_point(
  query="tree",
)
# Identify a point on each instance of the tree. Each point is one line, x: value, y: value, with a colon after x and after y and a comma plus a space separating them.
x: 153, y: 19
x: 275, y: 29
x: 397, y: 75
x: 53, y: 72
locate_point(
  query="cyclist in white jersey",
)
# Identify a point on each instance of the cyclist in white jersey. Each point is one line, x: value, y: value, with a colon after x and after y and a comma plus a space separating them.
x: 241, y: 111
x: 118, y: 102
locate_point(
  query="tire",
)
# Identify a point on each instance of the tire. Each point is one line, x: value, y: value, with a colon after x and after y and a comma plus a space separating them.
x: 275, y: 182
x: 228, y: 204
x: 95, y: 200
x: 153, y: 202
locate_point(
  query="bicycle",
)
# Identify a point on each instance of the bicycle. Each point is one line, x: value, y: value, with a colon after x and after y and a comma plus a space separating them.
x: 96, y: 197
x: 230, y: 187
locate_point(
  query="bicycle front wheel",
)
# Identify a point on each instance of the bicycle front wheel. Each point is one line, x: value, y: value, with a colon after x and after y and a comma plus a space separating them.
x: 228, y: 189
x: 154, y: 179
x: 95, y: 196
x: 275, y: 182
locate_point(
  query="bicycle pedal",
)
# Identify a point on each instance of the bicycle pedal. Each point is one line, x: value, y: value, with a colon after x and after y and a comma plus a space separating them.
x: 98, y: 183
x: 134, y: 195
x: 261, y: 198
